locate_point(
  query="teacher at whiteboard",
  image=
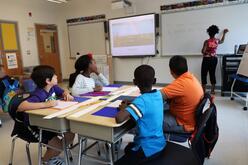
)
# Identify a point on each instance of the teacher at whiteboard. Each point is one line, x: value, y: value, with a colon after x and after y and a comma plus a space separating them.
x: 210, y: 60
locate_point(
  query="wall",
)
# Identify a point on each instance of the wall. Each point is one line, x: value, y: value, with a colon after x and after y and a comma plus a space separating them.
x: 45, y: 12
x: 17, y: 10
x: 78, y: 8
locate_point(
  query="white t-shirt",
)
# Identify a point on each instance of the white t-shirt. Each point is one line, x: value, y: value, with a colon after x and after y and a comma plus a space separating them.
x: 84, y: 84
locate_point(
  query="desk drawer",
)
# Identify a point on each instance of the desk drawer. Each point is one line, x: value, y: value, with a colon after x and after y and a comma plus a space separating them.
x: 56, y: 124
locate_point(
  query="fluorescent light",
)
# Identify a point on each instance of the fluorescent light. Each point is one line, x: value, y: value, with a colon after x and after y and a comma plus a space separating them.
x: 58, y: 1
x: 55, y: 1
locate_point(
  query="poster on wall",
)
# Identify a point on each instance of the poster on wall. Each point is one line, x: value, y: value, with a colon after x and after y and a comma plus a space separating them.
x: 11, y: 60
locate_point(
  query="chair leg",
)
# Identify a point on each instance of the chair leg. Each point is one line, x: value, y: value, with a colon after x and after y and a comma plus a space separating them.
x: 98, y: 149
x: 232, y: 87
x: 12, y: 150
x: 28, y: 154
x: 40, y: 148
x: 246, y: 102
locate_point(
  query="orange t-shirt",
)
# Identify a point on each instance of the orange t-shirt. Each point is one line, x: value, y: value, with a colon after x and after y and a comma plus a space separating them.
x: 184, y: 94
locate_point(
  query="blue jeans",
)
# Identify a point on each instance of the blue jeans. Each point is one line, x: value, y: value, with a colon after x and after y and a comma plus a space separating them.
x: 170, y: 124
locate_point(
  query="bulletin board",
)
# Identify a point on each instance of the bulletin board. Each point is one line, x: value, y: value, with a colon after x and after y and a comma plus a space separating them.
x: 9, y: 36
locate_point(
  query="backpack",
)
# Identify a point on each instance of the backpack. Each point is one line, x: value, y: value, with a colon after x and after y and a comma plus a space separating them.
x: 9, y: 91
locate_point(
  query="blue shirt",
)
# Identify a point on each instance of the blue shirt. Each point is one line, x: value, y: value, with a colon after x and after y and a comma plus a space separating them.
x: 41, y: 95
x: 147, y: 111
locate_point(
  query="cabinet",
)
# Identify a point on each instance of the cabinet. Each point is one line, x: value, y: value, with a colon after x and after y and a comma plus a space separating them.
x: 230, y: 64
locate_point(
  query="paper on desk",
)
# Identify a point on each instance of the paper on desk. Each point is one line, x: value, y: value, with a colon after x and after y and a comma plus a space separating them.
x: 64, y: 104
x: 119, y: 91
x: 158, y: 88
x: 109, y: 89
x: 72, y: 108
x: 89, y: 109
x: 129, y: 91
x: 115, y: 104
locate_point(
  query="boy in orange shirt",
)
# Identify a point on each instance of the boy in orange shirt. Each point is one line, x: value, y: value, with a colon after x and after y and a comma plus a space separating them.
x: 183, y: 95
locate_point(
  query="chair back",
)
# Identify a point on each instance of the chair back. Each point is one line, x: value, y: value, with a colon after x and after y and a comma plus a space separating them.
x: 14, y: 103
x: 21, y: 126
x: 201, y: 105
x: 199, y: 143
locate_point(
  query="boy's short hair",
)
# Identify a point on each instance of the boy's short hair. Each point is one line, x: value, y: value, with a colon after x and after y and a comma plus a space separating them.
x: 144, y: 76
x: 178, y: 64
x: 212, y: 30
x: 83, y: 62
x: 41, y: 73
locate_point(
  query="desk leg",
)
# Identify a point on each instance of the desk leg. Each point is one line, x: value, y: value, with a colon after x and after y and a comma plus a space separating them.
x: 65, y: 149
x: 80, y: 140
x: 82, y: 145
x: 40, y: 147
x: 111, y: 153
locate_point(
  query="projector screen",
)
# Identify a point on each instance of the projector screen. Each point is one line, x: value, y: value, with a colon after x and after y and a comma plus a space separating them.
x: 132, y: 36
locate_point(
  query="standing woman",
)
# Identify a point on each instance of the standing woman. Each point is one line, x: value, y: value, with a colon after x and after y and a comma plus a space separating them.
x: 210, y: 60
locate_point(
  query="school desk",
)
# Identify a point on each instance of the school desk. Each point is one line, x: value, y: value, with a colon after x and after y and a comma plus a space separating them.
x: 61, y: 125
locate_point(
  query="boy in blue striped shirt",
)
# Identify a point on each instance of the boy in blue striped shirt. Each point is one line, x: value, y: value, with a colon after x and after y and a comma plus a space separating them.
x: 147, y: 112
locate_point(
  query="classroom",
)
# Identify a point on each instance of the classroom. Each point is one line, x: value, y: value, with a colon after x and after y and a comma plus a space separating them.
x: 122, y: 42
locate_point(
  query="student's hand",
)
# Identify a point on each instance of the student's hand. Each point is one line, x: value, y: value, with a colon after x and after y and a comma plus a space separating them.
x: 225, y: 31
x: 51, y: 103
x: 67, y: 96
x: 97, y: 88
x: 124, y: 104
x: 95, y: 70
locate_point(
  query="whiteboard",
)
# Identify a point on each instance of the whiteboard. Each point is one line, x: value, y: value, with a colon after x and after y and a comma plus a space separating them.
x: 183, y: 33
x: 87, y: 38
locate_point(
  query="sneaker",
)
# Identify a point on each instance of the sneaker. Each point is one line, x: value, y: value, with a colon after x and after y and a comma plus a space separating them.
x: 56, y: 161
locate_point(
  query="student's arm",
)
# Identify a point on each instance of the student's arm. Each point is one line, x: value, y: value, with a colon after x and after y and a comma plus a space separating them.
x: 25, y: 105
x: 175, y: 89
x: 67, y: 96
x: 165, y: 97
x: 100, y: 79
x: 122, y: 115
x: 135, y: 110
x: 79, y: 87
x: 223, y: 36
x: 204, y: 48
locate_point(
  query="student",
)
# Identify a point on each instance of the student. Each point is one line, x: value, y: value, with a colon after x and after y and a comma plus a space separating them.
x: 183, y: 95
x: 147, y: 111
x: 210, y: 60
x: 44, y: 97
x: 87, y: 77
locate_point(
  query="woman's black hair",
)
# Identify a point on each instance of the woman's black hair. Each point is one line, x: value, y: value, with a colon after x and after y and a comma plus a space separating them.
x: 82, y: 64
x: 41, y: 73
x: 212, y: 30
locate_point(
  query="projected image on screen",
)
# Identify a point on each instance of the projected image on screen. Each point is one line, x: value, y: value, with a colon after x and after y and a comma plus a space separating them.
x: 132, y: 36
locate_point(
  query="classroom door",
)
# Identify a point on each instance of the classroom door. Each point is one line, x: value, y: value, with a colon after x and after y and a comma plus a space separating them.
x: 10, y: 54
x: 48, y: 47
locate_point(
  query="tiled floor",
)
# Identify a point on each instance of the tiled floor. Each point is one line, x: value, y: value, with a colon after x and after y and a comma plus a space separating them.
x: 231, y: 148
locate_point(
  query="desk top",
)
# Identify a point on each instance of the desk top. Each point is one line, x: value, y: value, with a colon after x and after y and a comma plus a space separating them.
x: 96, y: 120
x: 86, y: 118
